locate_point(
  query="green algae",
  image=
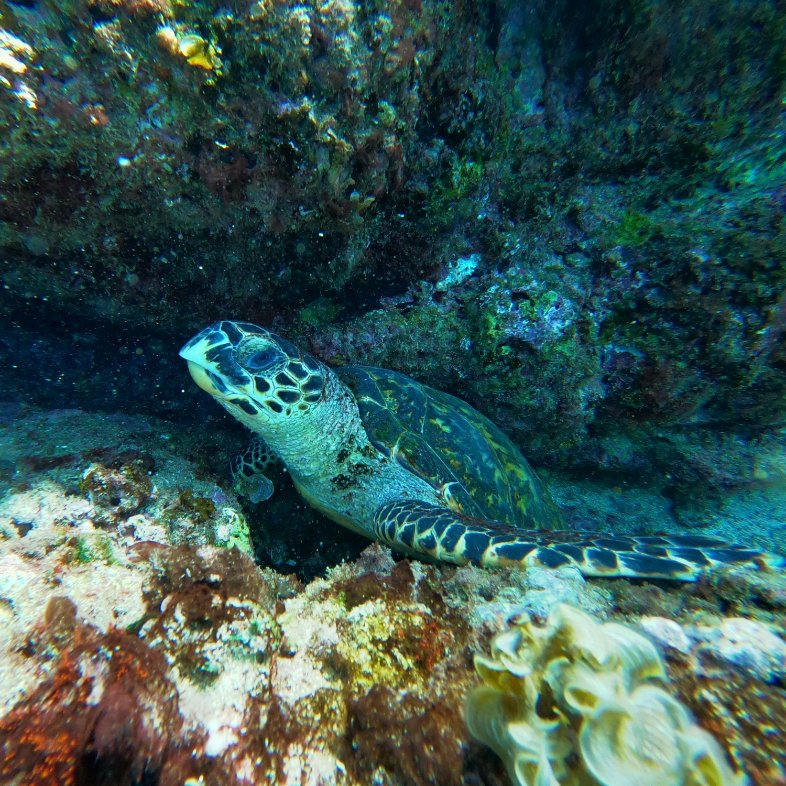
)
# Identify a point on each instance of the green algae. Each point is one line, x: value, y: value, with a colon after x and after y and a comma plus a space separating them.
x: 451, y: 197
x: 92, y: 548
x: 634, y: 229
x: 232, y: 531
x: 321, y: 311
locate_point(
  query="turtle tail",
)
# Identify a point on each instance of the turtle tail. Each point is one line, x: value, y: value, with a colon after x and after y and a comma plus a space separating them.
x: 443, y: 535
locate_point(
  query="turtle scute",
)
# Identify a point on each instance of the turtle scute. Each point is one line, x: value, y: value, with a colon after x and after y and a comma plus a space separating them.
x: 452, y: 446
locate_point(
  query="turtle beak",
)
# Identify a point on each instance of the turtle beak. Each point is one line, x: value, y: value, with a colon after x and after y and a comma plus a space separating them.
x: 194, y: 355
x: 205, y: 355
x: 200, y: 375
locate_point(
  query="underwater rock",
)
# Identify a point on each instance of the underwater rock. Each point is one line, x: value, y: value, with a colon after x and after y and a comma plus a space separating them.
x: 667, y: 633
x: 621, y: 251
x: 747, y: 644
x: 279, y: 127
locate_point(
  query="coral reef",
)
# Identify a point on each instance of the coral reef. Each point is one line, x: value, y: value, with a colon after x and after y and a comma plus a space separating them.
x: 107, y: 711
x: 572, y: 216
x: 267, y: 131
x: 239, y: 674
x: 295, y: 163
x: 575, y: 701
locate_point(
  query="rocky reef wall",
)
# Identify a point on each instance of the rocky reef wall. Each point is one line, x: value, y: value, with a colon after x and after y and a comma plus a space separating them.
x: 574, y: 219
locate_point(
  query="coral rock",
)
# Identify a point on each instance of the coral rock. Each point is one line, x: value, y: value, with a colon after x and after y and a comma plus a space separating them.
x: 751, y: 646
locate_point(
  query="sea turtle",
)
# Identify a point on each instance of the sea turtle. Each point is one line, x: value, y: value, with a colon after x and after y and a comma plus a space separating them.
x: 407, y: 465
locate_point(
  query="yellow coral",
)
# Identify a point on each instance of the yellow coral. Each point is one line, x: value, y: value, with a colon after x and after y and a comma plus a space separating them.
x: 13, y: 53
x: 197, y: 51
x: 574, y: 704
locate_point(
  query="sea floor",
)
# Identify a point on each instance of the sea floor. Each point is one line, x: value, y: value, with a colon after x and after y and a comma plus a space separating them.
x: 154, y: 629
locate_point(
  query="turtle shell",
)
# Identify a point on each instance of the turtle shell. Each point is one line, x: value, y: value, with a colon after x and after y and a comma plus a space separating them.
x: 454, y: 448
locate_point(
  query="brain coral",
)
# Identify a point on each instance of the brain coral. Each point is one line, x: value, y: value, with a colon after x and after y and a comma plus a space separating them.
x: 575, y: 703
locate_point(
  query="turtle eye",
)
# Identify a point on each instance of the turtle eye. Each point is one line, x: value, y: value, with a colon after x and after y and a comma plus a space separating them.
x: 262, y: 360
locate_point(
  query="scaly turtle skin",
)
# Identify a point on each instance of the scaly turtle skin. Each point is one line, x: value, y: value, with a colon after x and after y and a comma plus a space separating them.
x: 412, y: 467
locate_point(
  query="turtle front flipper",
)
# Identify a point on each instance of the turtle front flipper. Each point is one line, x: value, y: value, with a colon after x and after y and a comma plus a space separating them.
x: 440, y: 534
x: 248, y: 471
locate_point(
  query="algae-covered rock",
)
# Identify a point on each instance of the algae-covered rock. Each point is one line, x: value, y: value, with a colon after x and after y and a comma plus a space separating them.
x: 170, y: 162
x: 272, y: 136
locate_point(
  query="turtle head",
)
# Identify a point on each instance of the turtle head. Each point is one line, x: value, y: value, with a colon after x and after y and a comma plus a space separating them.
x: 259, y: 377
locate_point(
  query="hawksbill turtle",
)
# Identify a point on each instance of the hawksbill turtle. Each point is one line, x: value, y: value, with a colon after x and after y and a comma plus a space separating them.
x: 412, y: 467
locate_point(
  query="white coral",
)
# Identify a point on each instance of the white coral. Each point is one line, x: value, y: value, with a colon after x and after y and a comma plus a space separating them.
x: 577, y: 702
